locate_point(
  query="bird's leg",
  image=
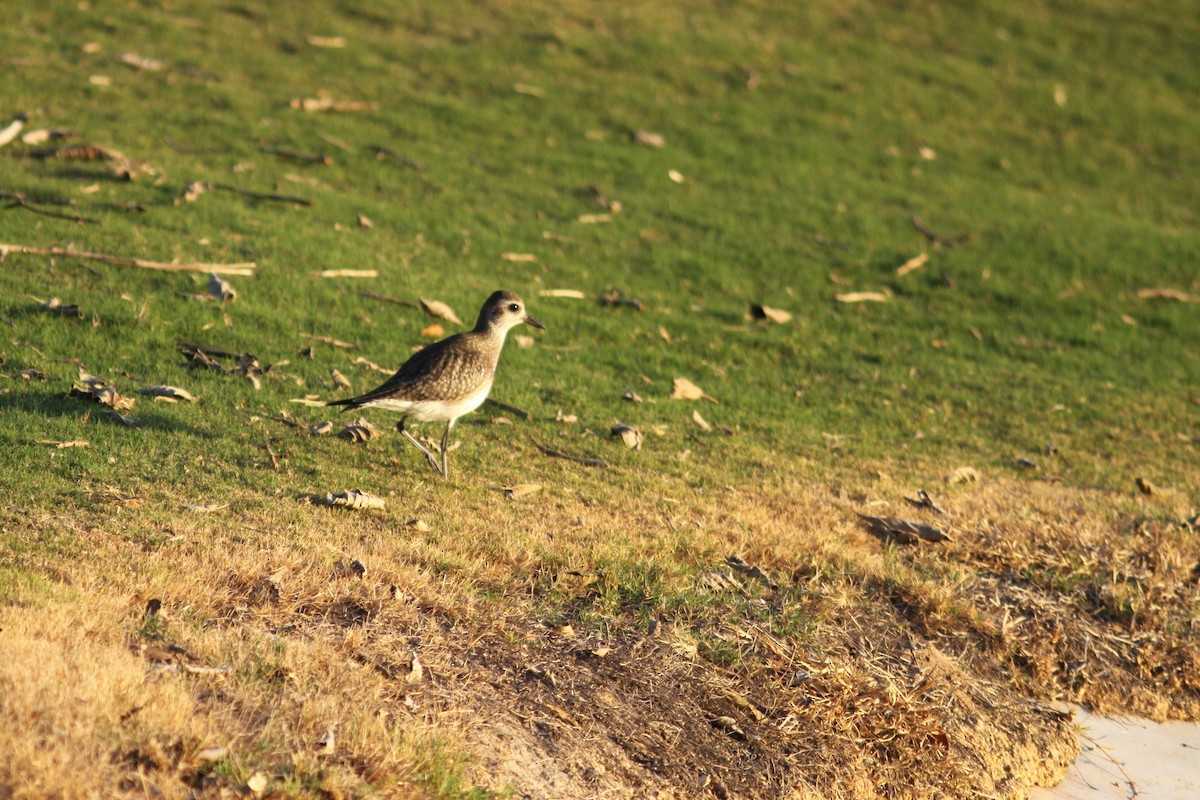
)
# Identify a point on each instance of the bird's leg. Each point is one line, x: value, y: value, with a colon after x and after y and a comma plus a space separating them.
x: 430, y: 457
x: 446, y: 450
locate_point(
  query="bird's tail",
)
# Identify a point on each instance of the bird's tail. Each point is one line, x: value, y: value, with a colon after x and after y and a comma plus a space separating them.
x: 350, y: 403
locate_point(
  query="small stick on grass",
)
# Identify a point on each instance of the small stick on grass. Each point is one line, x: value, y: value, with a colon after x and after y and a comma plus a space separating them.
x: 20, y: 202
x: 591, y: 462
x: 245, y: 268
x: 389, y: 299
x: 933, y: 236
x: 281, y: 198
x: 510, y: 409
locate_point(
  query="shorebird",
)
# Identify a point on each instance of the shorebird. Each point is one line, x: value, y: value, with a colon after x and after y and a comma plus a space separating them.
x: 449, y: 378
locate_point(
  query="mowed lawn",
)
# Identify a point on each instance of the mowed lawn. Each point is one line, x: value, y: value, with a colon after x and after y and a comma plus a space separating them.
x: 974, y: 232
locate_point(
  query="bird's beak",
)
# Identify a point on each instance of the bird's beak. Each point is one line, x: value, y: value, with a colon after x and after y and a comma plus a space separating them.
x: 531, y: 321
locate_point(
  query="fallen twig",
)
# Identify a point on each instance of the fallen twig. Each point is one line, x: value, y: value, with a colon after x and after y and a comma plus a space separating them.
x: 281, y: 198
x: 389, y: 299
x: 246, y: 268
x: 510, y: 409
x: 298, y: 155
x: 934, y: 237
x: 382, y: 153
x: 591, y: 462
x: 21, y: 202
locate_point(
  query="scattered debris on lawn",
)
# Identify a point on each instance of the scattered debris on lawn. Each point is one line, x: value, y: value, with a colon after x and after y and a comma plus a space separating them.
x: 923, y: 500
x: 618, y: 298
x: 245, y: 269
x: 200, y: 357
x: 349, y: 499
x: 58, y: 307
x: 683, y: 389
x: 769, y: 314
x: 591, y: 462
x: 122, y: 166
x: 170, y: 394
x: 862, y: 297
x: 916, y: 262
x: 438, y: 309
x: 631, y: 436
x: 138, y: 62
x: 350, y: 273
x: 219, y: 288
x: 517, y: 491
x: 751, y: 571
x: 61, y: 445
x: 359, y: 430
x: 902, y: 531
x: 648, y: 138
x: 1168, y: 294
x: 90, y: 388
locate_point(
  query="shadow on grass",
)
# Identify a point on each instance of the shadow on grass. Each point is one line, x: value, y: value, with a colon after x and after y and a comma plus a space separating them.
x: 58, y: 404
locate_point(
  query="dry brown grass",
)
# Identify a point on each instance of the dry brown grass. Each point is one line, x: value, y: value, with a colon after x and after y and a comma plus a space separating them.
x: 872, y: 671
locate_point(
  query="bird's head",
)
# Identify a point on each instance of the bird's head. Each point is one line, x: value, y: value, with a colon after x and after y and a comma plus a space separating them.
x: 502, y: 311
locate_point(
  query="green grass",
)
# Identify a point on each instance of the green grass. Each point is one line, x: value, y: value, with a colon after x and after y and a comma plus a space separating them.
x: 815, y: 173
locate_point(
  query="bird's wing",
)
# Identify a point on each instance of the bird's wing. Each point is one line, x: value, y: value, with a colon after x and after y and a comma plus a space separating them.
x: 438, y: 372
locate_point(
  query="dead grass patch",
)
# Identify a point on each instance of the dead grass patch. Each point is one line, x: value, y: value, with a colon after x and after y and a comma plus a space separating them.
x: 570, y: 651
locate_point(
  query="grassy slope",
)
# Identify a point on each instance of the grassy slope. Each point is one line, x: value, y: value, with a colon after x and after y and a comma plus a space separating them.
x: 796, y: 190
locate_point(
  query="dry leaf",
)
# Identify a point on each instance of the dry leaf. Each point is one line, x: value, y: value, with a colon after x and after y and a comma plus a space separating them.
x: 205, y: 508
x: 350, y: 569
x: 365, y: 222
x: 770, y: 314
x: 167, y: 393
x: 862, y: 297
x: 326, y: 743
x: 521, y: 490
x: 12, y: 130
x: 1146, y: 487
x: 210, y: 755
x: 419, y: 525
x: 701, y: 422
x: 326, y: 41
x: 676, y: 175
x: 436, y: 308
x: 566, y: 419
x: 320, y: 428
x: 434, y: 331
x: 683, y: 389
x: 923, y: 500
x: 415, y: 671
x: 329, y: 104
x: 729, y: 725
x: 339, y: 380
x: 61, y: 445
x: 31, y: 375
x: 629, y: 434
x: 518, y: 257
x: 915, y: 262
x: 91, y: 388
x: 192, y: 192
x: 632, y: 397
x: 137, y: 62
x: 751, y: 571
x: 574, y: 294
x: 649, y: 139
x: 592, y: 219
x: 927, y: 153
x: 219, y: 288
x: 257, y: 783
x: 963, y: 475
x: 350, y: 499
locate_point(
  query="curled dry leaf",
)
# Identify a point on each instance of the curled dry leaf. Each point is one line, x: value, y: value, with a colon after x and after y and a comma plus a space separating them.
x: 321, y: 428
x: 701, y: 422
x: 916, y: 262
x: 963, y: 475
x: 171, y: 393
x: 350, y: 499
x: 769, y: 314
x: 728, y: 725
x: 566, y: 419
x: 91, y: 388
x: 359, y: 430
x: 364, y: 221
x: 419, y: 525
x: 632, y: 397
x: 325, y: 745
x: 631, y: 436
x: 521, y: 490
x: 648, y: 138
x: 31, y: 375
x: 192, y: 192
x: 862, y: 297
x: 339, y: 380
x: 923, y: 500
x: 436, y: 308
x: 220, y: 288
x: 683, y: 389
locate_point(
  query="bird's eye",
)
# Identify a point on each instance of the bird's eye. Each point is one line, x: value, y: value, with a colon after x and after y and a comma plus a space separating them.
x: 514, y: 308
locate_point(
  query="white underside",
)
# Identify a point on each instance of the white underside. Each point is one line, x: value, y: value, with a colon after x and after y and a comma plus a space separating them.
x: 434, y: 411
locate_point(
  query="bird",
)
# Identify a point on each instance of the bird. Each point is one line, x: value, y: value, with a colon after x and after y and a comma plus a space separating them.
x: 449, y: 378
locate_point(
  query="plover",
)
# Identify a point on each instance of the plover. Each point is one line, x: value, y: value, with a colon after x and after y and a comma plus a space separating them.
x: 448, y: 378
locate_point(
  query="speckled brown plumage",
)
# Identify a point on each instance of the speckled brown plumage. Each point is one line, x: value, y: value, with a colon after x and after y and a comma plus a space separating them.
x: 449, y: 378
